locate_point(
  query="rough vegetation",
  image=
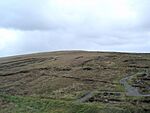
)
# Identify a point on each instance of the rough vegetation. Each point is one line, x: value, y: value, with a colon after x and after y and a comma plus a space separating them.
x: 56, y: 82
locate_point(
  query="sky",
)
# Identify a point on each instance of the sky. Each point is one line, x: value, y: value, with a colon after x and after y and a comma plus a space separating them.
x: 28, y: 26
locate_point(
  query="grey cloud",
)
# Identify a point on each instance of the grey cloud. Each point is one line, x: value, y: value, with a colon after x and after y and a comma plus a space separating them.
x: 25, y: 15
x: 37, y: 15
x: 45, y: 26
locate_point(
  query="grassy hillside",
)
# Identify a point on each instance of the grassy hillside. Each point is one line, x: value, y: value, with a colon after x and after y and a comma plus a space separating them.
x: 56, y: 82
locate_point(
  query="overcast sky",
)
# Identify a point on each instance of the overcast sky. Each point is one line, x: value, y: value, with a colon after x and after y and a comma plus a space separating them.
x: 28, y: 26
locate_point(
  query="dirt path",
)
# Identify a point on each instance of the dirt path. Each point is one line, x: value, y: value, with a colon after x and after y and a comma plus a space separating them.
x: 86, y: 97
x: 131, y: 91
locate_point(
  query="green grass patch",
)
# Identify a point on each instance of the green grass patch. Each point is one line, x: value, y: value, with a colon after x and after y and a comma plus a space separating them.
x: 19, y: 104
